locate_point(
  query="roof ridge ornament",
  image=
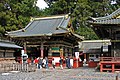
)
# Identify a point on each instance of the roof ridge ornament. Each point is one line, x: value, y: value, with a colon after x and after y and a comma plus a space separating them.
x: 31, y: 19
x: 66, y: 16
x: 23, y: 30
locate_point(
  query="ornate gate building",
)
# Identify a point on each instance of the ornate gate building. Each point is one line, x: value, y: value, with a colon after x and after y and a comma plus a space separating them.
x: 48, y: 37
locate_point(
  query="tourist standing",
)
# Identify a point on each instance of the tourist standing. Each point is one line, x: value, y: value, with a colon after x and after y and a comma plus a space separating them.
x: 46, y: 66
x: 61, y: 62
x: 36, y: 61
x: 68, y: 63
x: 40, y: 63
x: 53, y: 63
x: 44, y: 63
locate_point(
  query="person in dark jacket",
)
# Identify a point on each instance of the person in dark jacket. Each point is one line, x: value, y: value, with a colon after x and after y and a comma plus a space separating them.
x: 68, y: 63
x: 46, y: 65
x: 61, y: 62
x: 40, y: 63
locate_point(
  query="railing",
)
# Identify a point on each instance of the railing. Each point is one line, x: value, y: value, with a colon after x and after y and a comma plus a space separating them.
x: 109, y: 64
x: 109, y: 58
x: 5, y: 67
x: 24, y: 67
x: 17, y: 67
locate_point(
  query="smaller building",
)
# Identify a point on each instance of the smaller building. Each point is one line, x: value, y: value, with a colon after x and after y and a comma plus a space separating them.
x: 9, y: 51
x: 93, y: 49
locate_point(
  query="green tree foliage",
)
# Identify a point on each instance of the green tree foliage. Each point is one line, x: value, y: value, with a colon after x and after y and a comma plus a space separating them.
x: 15, y: 14
x: 81, y: 10
x: 59, y: 7
x: 87, y: 32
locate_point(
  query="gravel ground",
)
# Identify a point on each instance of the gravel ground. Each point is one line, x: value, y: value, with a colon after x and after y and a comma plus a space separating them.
x: 82, y: 73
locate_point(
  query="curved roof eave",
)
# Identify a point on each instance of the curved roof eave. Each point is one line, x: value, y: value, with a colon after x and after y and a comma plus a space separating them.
x: 78, y: 36
x: 49, y: 34
x: 114, y: 14
x: 21, y: 30
x: 30, y: 35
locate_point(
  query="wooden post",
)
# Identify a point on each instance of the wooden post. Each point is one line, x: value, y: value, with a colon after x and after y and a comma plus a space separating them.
x: 113, y: 67
x: 84, y: 55
x: 101, y: 67
x: 42, y: 49
x: 61, y: 52
x: 50, y: 52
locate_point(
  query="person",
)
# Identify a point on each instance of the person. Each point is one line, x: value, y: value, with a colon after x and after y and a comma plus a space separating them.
x: 46, y: 66
x: 36, y: 61
x: 32, y: 60
x: 40, y: 63
x: 60, y: 61
x: 44, y: 63
x: 29, y: 60
x: 53, y: 63
x: 68, y: 63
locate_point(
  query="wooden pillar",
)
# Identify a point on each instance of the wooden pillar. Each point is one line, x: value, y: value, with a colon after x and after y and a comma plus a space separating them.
x: 61, y: 52
x: 113, y: 67
x: 50, y: 53
x: 42, y: 49
x: 101, y: 67
x: 85, y: 57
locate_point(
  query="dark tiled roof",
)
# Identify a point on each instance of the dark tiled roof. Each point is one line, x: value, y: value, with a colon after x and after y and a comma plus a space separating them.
x: 110, y: 19
x: 8, y: 45
x: 43, y: 26
x: 93, y: 44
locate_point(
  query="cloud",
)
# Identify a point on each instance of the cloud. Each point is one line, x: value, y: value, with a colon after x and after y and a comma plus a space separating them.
x: 41, y: 4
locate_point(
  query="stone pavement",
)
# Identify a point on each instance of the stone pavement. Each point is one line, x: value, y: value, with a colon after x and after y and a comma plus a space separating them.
x: 83, y: 73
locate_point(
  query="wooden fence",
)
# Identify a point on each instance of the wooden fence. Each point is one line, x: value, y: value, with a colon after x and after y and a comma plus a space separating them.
x: 109, y: 58
x: 109, y: 64
x: 5, y: 67
x: 24, y: 67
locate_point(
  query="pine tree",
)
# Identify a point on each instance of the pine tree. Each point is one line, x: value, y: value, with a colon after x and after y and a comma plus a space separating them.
x: 15, y: 14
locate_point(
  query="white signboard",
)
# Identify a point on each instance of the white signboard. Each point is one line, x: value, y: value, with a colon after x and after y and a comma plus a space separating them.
x: 105, y: 48
x: 71, y: 62
x: 77, y: 55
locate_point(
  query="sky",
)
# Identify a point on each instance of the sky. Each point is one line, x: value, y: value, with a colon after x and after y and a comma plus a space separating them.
x: 41, y: 4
